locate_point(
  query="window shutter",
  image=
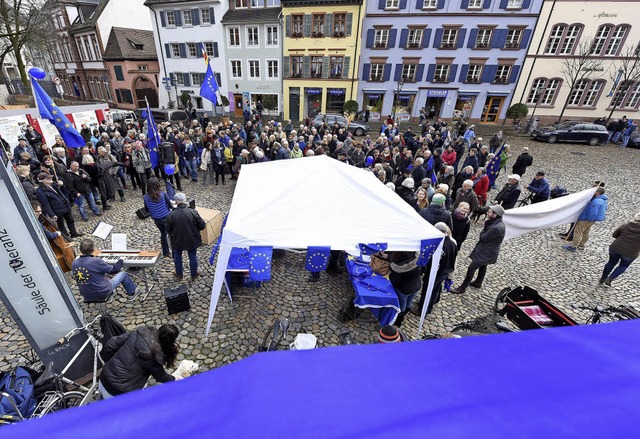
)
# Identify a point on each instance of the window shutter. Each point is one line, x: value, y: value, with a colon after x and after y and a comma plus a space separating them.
x: 178, y: 14
x: 431, y: 70
x: 325, y: 66
x: 440, y: 4
x: 453, y: 70
x: 215, y: 50
x: 464, y: 4
x: 473, y: 35
x: 503, y: 5
x: 346, y: 64
x: 285, y: 67
x: 387, y: 71
x: 398, y: 74
x: 526, y: 4
x: 499, y: 38
x: 419, y: 72
x: 212, y: 16
x: 403, y: 4
x: 514, y: 74
x: 195, y: 17
x: 426, y: 37
x: 218, y: 79
x: 288, y: 26
x: 488, y: 73
x: 461, y: 34
x: 118, y: 98
x: 463, y: 73
x: 349, y: 23
x: 486, y: 4
x: 371, y: 35
x: 392, y: 38
x: 163, y: 19
x: 306, y: 25
x: 437, y: 41
x: 199, y: 50
x: 328, y: 25
x: 183, y: 50
x: 187, y: 79
x: 167, y: 49
x: 404, y: 35
x: 419, y: 4
x: 525, y: 39
x: 382, y: 4
x: 366, y: 72
x: 306, y: 67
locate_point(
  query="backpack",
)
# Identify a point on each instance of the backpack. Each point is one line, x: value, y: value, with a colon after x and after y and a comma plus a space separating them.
x: 19, y: 386
x: 558, y: 192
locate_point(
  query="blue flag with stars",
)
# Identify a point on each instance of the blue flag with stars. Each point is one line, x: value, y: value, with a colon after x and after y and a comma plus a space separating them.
x: 430, y: 166
x: 153, y: 137
x: 370, y: 249
x: 49, y: 110
x: 317, y: 259
x: 493, y: 167
x: 427, y: 248
x: 209, y: 88
x: 239, y: 259
x: 260, y: 263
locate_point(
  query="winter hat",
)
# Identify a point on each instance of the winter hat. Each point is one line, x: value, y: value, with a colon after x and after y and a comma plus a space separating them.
x: 514, y: 176
x: 180, y: 198
x: 389, y: 334
x: 438, y: 199
x: 408, y: 183
x: 499, y: 210
x: 391, y: 186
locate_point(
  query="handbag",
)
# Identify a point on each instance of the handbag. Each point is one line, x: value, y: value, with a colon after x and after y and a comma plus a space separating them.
x: 143, y: 213
x: 379, y: 265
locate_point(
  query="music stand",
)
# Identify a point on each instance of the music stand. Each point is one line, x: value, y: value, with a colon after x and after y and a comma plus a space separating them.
x: 102, y: 232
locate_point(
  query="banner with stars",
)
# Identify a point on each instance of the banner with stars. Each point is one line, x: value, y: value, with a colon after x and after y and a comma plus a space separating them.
x: 317, y: 259
x: 49, y: 110
x: 372, y: 248
x: 260, y: 263
x: 153, y: 137
x: 427, y: 247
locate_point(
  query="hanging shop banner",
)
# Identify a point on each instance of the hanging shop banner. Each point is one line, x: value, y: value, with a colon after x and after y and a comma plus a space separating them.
x: 437, y: 93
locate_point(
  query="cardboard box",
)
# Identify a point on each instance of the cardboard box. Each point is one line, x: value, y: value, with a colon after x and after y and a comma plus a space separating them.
x: 213, y: 220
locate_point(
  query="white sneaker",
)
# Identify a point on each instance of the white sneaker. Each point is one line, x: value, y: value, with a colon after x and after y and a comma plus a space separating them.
x: 135, y: 294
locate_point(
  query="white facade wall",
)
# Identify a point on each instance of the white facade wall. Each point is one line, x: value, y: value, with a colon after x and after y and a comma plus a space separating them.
x: 123, y: 13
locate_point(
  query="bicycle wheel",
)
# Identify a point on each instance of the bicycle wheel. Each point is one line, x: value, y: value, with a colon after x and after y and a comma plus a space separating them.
x: 501, y: 301
x: 64, y: 401
x: 623, y: 313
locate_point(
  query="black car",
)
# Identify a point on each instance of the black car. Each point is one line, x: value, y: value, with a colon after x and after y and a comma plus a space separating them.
x: 634, y: 140
x: 572, y: 132
x: 357, y: 128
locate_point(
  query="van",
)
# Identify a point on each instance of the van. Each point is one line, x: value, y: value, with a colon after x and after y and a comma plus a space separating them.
x: 164, y: 115
x: 122, y: 116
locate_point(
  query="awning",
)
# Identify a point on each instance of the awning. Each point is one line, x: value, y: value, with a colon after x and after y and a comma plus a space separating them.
x: 468, y: 93
x: 498, y: 93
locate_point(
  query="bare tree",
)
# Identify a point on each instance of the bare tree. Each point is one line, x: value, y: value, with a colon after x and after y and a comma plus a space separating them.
x: 625, y: 73
x: 579, y: 67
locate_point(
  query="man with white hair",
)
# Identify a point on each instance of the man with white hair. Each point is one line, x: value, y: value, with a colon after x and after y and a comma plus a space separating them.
x: 508, y: 196
x: 183, y: 227
x: 466, y: 194
x: 419, y: 172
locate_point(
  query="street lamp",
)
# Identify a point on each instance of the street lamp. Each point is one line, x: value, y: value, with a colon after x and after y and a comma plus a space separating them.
x: 396, y: 97
x: 539, y: 93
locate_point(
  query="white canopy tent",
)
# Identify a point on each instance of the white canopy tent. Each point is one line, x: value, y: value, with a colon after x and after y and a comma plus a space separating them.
x: 318, y: 201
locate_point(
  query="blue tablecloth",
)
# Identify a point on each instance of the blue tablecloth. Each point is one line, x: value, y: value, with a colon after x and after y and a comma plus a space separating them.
x: 373, y: 291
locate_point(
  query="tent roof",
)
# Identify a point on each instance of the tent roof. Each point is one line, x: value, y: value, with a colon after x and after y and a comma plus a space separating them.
x: 581, y: 381
x: 338, y: 206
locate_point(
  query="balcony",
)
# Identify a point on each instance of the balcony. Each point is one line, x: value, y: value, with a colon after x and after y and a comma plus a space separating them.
x: 445, y: 45
x: 512, y: 45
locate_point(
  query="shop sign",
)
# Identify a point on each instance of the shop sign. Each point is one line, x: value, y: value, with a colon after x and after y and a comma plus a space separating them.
x: 437, y: 93
x: 465, y: 98
x: 336, y: 91
x: 313, y: 91
x: 373, y: 96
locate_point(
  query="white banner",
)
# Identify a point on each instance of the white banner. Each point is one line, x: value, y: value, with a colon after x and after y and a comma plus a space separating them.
x: 540, y: 216
x: 11, y: 127
x: 49, y: 132
x: 87, y: 118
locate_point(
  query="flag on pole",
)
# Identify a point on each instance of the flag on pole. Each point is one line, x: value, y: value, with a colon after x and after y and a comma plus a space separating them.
x: 430, y: 166
x: 204, y: 54
x: 209, y: 88
x: 48, y: 110
x: 493, y: 167
x: 153, y: 137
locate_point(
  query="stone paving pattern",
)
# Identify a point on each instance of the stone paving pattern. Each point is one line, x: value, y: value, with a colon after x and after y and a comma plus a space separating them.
x: 537, y: 260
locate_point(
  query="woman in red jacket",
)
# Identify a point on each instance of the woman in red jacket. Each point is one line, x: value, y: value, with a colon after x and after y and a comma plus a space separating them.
x: 481, y: 185
x: 449, y: 156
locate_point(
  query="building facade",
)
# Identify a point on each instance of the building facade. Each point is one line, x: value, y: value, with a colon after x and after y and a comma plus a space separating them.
x: 181, y: 30
x: 253, y: 45
x: 321, y: 55
x: 598, y: 34
x: 453, y: 58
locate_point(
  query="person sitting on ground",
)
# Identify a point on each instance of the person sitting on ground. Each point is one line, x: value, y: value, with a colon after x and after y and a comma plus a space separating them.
x: 540, y: 188
x: 91, y: 273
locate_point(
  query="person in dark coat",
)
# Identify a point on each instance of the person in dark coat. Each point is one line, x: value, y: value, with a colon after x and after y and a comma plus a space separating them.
x: 405, y: 278
x: 24, y: 174
x: 461, y: 223
x: 523, y: 161
x: 435, y: 212
x: 466, y: 174
x: 623, y: 250
x: 486, y: 250
x: 56, y: 205
x: 132, y: 357
x: 183, y: 226
x: 472, y: 160
x: 508, y: 196
x: 405, y: 190
x: 540, y: 187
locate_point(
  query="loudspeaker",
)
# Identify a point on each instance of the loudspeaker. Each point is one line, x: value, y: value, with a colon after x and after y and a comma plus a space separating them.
x: 177, y: 299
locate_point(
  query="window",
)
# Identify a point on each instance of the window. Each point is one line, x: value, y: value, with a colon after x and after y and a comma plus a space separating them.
x: 236, y: 69
x: 414, y: 39
x: 634, y: 96
x: 429, y: 4
x: 191, y: 50
x: 513, y: 39
x: 178, y: 78
x: 125, y: 96
x: 613, y: 47
x: 409, y: 72
x: 592, y: 93
x: 96, y: 49
x: 339, y: 25
x: 205, y: 16
x: 273, y: 3
x: 81, y: 50
x: 316, y: 66
x: 254, y: 69
x: 209, y: 48
x: 175, y: 50
x: 449, y: 38
x: 117, y: 70
x: 441, y: 73
x: 296, y: 67
x: 473, y: 74
x: 296, y: 24
x: 562, y: 39
x: 107, y: 91
x: 377, y: 72
x: 241, y: 4
x: 502, y: 74
x: 87, y: 45
x: 234, y: 37
x: 483, y: 40
x: 570, y: 38
x: 272, y: 69
x: 600, y: 39
x: 317, y: 25
x: 475, y: 4
x: 335, y: 66
x: 272, y: 35
x: 585, y: 93
x: 554, y: 39
x: 514, y: 4
x: 252, y: 36
x: 257, y: 3
x: 171, y: 18
x: 197, y: 78
x: 381, y: 38
x: 392, y: 4
x: 186, y: 18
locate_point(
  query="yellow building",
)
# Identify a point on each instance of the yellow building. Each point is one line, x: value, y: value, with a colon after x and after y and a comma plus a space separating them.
x: 321, y: 55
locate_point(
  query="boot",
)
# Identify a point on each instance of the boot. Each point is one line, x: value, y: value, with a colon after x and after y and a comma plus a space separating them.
x: 121, y: 193
x: 459, y: 290
x: 400, y: 319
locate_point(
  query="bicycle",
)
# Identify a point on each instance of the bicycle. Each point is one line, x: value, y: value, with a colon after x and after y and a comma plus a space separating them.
x: 610, y: 314
x: 517, y: 126
x: 526, y: 200
x: 277, y: 334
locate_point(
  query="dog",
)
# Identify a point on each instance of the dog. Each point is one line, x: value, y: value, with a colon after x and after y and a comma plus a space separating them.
x: 481, y: 211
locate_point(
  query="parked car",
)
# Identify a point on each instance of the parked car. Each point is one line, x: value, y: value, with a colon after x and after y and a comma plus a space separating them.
x: 572, y: 132
x: 123, y: 116
x: 634, y: 140
x: 357, y: 128
x: 164, y: 115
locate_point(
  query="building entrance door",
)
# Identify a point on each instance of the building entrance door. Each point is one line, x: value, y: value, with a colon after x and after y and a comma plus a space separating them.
x: 294, y: 103
x: 237, y: 105
x: 491, y: 110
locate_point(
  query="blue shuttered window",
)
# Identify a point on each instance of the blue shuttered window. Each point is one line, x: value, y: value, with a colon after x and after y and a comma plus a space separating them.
x: 371, y: 35
x: 430, y: 72
x: 183, y: 50
x: 195, y: 17
x: 163, y: 19
x: 186, y: 79
x: 488, y: 73
x: 526, y: 4
x: 440, y: 4
x: 178, y: 14
x: 463, y: 72
x: 453, y: 70
x: 392, y: 38
x: 404, y: 35
x: 461, y: 35
x: 212, y: 16
x: 426, y: 37
x: 398, y: 74
x: 524, y: 43
x: 486, y: 4
x: 387, y: 72
x: 438, y: 38
x: 216, y: 54
x: 403, y: 4
x: 514, y: 74
x: 382, y: 4
x: 464, y: 4
x: 419, y: 72
x: 366, y: 71
x: 473, y: 35
x: 499, y: 38
x: 503, y: 4
x: 167, y: 49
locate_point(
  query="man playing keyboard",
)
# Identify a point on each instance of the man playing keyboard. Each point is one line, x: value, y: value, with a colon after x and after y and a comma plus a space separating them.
x: 91, y: 273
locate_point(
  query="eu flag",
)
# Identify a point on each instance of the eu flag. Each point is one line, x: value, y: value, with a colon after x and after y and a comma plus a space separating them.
x: 317, y: 259
x: 260, y: 263
x: 153, y: 137
x: 427, y: 247
x: 430, y: 166
x: 370, y: 249
x: 209, y: 88
x: 49, y: 110
x: 493, y: 167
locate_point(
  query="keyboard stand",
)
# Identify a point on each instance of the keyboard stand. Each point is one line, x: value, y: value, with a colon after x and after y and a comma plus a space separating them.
x: 141, y: 274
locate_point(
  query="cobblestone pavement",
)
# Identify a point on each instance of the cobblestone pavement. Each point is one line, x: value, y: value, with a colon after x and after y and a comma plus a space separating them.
x: 537, y: 260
